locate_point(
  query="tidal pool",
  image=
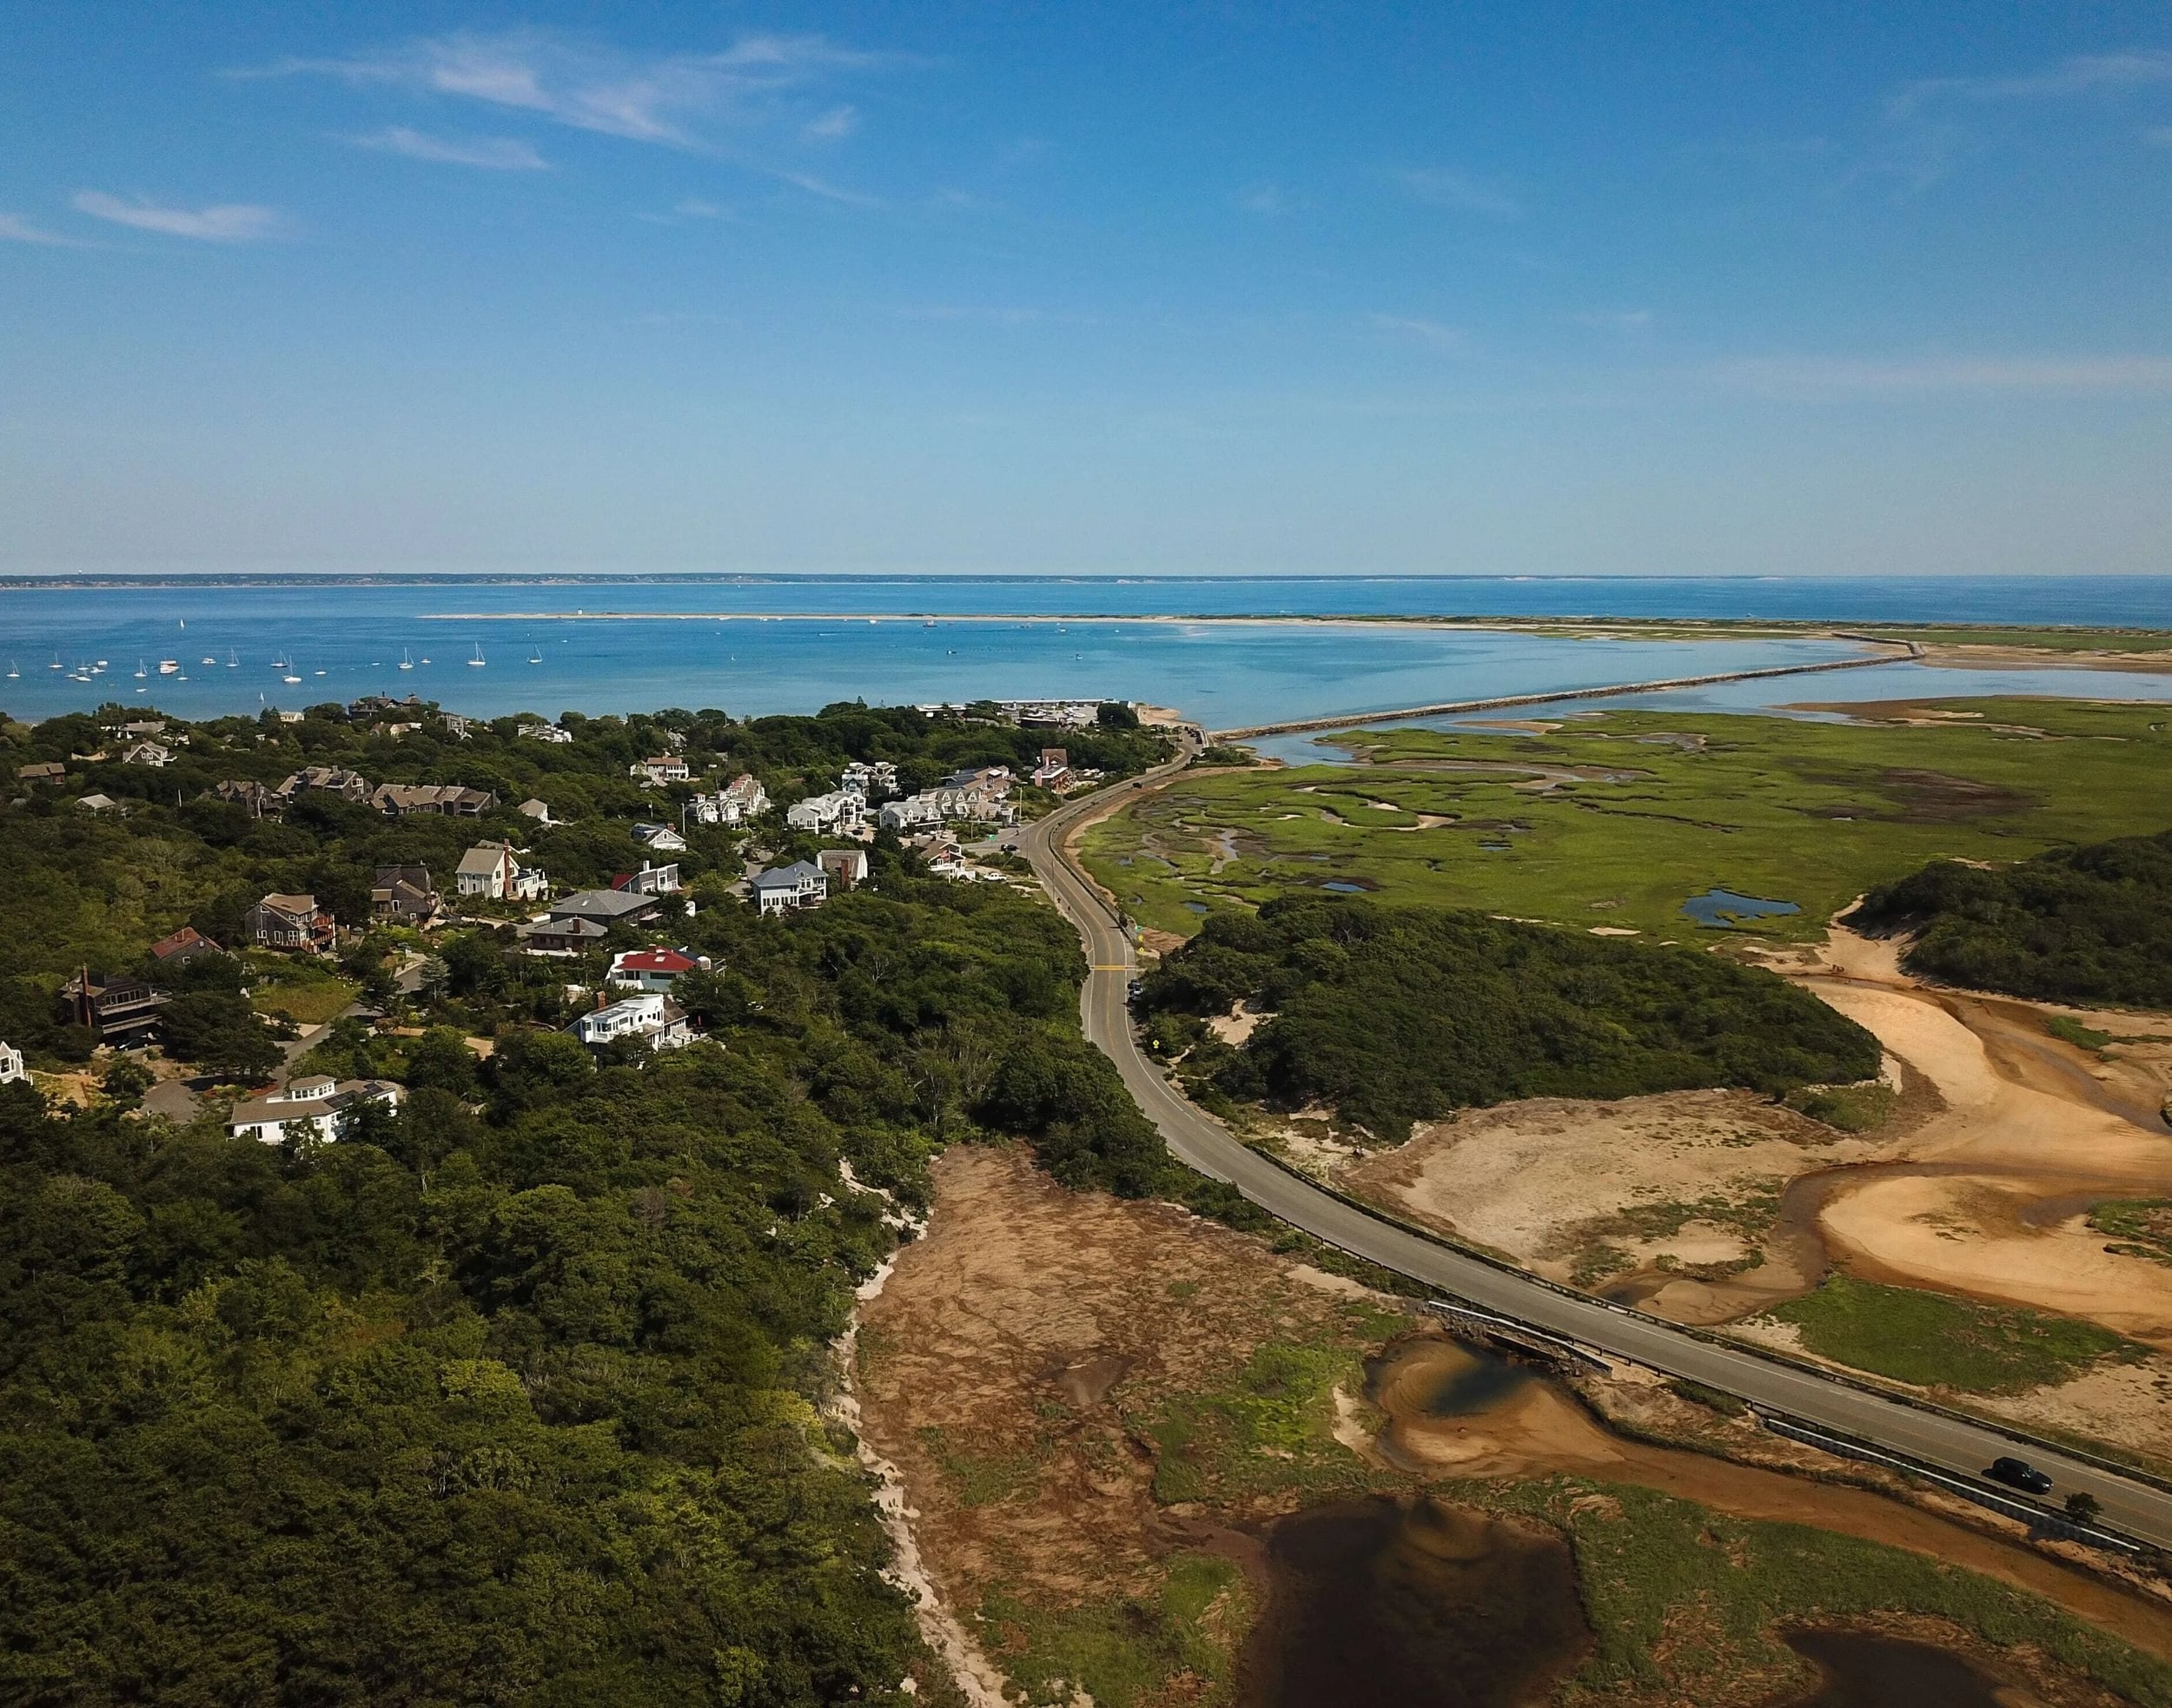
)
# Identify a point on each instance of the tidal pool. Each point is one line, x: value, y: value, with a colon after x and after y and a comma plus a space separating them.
x: 1724, y: 908
x: 1859, y: 1670
x: 1410, y: 1600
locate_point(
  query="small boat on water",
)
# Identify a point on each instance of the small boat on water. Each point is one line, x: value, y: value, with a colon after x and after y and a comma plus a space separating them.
x: 233, y: 659
x: 56, y: 663
x: 209, y: 659
x: 476, y: 663
x: 535, y: 653
x: 407, y: 659
x: 294, y: 672
x: 168, y: 666
x: 140, y: 671
x: 14, y: 670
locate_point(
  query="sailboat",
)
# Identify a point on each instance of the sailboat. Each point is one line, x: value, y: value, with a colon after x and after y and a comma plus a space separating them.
x: 407, y: 659
x: 535, y: 653
x: 140, y: 671
x: 56, y: 665
x: 14, y: 670
x: 279, y: 663
x: 476, y: 663
x: 233, y: 659
x: 294, y: 672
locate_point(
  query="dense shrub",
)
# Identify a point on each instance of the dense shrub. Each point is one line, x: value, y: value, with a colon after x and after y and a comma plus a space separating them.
x: 1399, y: 1014
x: 2089, y: 924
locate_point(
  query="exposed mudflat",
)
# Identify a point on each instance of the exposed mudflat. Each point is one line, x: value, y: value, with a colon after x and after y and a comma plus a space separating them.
x: 1675, y: 1195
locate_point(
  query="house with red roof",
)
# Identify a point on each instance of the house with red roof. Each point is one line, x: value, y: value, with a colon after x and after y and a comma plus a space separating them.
x: 653, y: 969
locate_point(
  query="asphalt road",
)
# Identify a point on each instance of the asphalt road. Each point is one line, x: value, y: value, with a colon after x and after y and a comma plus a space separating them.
x: 1948, y: 1443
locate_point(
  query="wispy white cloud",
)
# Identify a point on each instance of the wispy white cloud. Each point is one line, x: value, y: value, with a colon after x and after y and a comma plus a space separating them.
x: 1439, y: 187
x: 15, y: 229
x: 1434, y: 334
x: 695, y: 207
x: 826, y: 190
x: 663, y: 99
x: 837, y: 122
x: 228, y: 222
x: 1615, y: 319
x: 2083, y: 74
x: 495, y: 154
x: 1844, y: 377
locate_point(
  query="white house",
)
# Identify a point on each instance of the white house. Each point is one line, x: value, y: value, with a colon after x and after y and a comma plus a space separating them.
x: 863, y: 778
x: 732, y: 805
x: 651, y: 880
x: 11, y: 1068
x: 845, y: 867
x: 912, y: 813
x: 307, y: 1108
x: 650, y: 1016
x: 656, y: 772
x: 781, y: 889
x: 149, y: 753
x: 488, y: 871
x: 549, y: 733
x: 538, y: 810
x: 653, y: 968
x: 659, y: 838
x: 836, y: 813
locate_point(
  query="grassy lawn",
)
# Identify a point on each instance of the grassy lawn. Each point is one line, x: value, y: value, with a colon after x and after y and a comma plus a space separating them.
x: 311, y: 997
x: 1935, y: 1340
x: 1663, y: 806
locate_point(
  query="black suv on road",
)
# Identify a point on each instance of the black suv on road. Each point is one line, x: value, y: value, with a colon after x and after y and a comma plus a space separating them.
x: 2019, y: 1473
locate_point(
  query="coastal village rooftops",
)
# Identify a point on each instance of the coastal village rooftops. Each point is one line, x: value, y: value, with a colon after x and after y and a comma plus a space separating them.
x: 560, y: 937
x: 184, y: 945
x: 312, y: 1105
x: 444, y: 798
x: 604, y: 906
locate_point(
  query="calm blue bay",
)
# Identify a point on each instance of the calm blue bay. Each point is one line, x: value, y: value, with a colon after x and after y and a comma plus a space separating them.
x: 608, y: 644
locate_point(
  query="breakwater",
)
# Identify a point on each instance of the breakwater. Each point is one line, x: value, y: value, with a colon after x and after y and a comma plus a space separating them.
x: 1902, y: 652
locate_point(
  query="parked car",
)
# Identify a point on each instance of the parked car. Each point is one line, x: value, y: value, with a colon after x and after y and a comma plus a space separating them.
x: 2019, y: 1473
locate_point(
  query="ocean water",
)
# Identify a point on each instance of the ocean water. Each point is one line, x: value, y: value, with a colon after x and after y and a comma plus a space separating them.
x: 757, y: 646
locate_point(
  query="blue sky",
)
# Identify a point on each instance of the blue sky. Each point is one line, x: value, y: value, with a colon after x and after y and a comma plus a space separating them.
x: 1088, y: 289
